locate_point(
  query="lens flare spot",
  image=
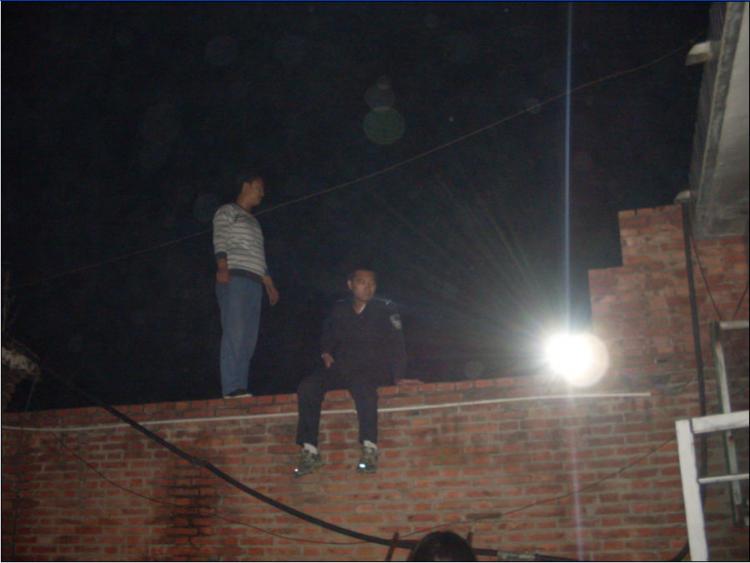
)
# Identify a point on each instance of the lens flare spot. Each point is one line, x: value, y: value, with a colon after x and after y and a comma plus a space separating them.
x: 580, y: 359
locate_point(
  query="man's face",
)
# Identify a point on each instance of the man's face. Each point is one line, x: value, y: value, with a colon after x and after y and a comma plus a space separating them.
x: 255, y: 190
x: 363, y: 285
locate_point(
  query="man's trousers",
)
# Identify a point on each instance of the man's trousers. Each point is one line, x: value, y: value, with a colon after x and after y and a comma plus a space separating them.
x: 240, y: 304
x: 312, y: 390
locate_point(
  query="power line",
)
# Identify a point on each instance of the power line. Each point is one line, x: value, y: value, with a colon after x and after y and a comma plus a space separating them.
x: 362, y: 538
x: 198, y: 462
x: 165, y: 502
x: 701, y: 269
x: 703, y: 275
x: 111, y: 260
x: 559, y: 497
x: 377, y: 173
x: 739, y: 301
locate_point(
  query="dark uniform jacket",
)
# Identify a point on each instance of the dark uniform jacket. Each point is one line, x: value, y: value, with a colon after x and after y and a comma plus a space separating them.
x: 369, y: 344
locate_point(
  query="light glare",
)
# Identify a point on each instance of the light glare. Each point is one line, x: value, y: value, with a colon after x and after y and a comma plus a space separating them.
x: 581, y: 359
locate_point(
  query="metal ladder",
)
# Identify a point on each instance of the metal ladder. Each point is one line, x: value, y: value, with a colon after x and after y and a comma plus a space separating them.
x: 724, y: 422
x: 730, y: 449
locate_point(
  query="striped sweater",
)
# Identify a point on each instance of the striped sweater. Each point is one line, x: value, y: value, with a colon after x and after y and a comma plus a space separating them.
x: 239, y: 238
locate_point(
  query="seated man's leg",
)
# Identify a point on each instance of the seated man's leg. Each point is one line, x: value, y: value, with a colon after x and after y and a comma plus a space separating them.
x: 365, y: 395
x: 310, y: 394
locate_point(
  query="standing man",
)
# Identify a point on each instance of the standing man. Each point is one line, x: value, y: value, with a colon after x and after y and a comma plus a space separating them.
x: 362, y: 347
x: 241, y: 275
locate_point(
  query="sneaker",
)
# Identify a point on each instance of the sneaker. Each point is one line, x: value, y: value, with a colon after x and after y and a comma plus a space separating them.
x: 307, y: 463
x: 237, y: 393
x: 368, y: 462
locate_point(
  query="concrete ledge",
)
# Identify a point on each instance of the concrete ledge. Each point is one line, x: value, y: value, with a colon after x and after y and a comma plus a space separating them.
x: 392, y: 399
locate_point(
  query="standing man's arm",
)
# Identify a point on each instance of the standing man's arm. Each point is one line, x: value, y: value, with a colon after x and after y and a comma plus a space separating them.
x: 273, y: 293
x: 222, y: 270
x: 222, y: 223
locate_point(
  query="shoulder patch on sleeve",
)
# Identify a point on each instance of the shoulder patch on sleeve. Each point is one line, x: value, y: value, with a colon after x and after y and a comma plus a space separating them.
x: 396, y: 321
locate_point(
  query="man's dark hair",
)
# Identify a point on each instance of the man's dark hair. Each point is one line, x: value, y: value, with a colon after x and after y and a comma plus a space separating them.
x: 353, y: 271
x: 442, y: 546
x: 247, y: 175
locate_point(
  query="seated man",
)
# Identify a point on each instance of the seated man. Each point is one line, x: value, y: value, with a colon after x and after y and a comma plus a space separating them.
x: 362, y: 348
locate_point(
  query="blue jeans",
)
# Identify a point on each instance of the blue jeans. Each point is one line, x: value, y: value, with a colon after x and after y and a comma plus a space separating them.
x: 239, y: 302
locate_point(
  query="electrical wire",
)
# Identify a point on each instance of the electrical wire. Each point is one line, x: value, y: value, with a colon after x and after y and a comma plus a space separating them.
x: 688, y: 246
x: 346, y: 184
x: 376, y: 173
x: 198, y: 462
x: 702, y: 271
x: 215, y: 512
x: 555, y: 498
x: 594, y: 483
x: 110, y: 260
x: 219, y: 515
x: 739, y: 302
x: 687, y: 229
x: 362, y: 538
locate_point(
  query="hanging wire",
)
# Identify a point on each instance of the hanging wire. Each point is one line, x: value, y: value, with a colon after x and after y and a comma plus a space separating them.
x: 376, y: 173
x: 739, y: 302
x: 554, y: 499
x: 361, y: 538
x: 165, y: 502
x: 702, y: 271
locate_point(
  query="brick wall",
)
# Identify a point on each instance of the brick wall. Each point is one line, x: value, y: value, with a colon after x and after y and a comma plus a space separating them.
x: 500, y: 458
x: 642, y: 309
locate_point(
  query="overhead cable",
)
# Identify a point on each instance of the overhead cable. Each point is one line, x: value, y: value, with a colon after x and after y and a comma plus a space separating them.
x: 198, y: 462
x: 362, y: 538
x: 376, y: 173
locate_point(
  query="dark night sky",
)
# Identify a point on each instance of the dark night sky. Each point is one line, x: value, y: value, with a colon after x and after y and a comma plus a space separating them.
x: 124, y: 126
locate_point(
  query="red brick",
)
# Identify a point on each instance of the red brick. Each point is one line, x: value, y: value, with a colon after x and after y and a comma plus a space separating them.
x: 437, y: 465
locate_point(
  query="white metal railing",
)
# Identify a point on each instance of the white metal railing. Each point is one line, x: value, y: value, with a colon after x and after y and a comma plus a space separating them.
x: 722, y: 382
x: 691, y: 482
